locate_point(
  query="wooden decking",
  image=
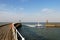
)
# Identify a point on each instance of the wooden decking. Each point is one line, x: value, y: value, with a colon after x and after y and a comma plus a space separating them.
x: 6, y: 32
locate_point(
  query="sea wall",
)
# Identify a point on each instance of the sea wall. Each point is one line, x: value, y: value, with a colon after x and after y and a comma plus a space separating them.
x: 52, y: 25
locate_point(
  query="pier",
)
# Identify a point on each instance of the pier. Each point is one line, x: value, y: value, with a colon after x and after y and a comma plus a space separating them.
x: 9, y: 32
x: 52, y: 24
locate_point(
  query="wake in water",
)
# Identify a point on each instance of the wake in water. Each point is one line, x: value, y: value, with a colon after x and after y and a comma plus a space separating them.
x: 30, y: 25
x: 36, y: 25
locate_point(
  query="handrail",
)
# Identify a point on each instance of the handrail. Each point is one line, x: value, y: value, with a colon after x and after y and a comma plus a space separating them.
x: 19, y: 33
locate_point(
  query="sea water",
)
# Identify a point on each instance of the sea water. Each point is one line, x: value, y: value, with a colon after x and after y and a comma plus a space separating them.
x: 33, y: 33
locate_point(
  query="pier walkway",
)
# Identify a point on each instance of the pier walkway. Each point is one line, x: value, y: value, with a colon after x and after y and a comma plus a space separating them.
x: 6, y: 32
x: 9, y: 32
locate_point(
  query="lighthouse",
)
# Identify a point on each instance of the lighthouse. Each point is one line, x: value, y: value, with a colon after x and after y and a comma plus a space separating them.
x: 46, y: 21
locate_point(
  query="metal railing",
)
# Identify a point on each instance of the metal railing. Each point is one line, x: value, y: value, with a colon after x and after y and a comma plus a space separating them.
x: 18, y: 33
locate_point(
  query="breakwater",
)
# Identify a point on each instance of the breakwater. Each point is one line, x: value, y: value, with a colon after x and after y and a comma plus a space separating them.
x: 52, y: 25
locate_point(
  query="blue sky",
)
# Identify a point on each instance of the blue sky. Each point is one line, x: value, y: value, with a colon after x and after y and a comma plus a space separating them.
x: 30, y: 10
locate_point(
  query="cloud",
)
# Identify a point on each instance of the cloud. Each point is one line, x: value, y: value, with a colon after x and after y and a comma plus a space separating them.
x: 43, y: 15
x: 10, y: 14
x: 7, y: 16
x: 50, y: 14
x: 21, y: 8
x: 3, y: 7
x: 47, y: 10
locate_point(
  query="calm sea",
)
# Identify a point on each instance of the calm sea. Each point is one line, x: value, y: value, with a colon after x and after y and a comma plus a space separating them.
x: 33, y: 33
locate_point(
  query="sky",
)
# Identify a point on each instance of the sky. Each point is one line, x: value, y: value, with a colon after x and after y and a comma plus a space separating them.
x: 29, y: 10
